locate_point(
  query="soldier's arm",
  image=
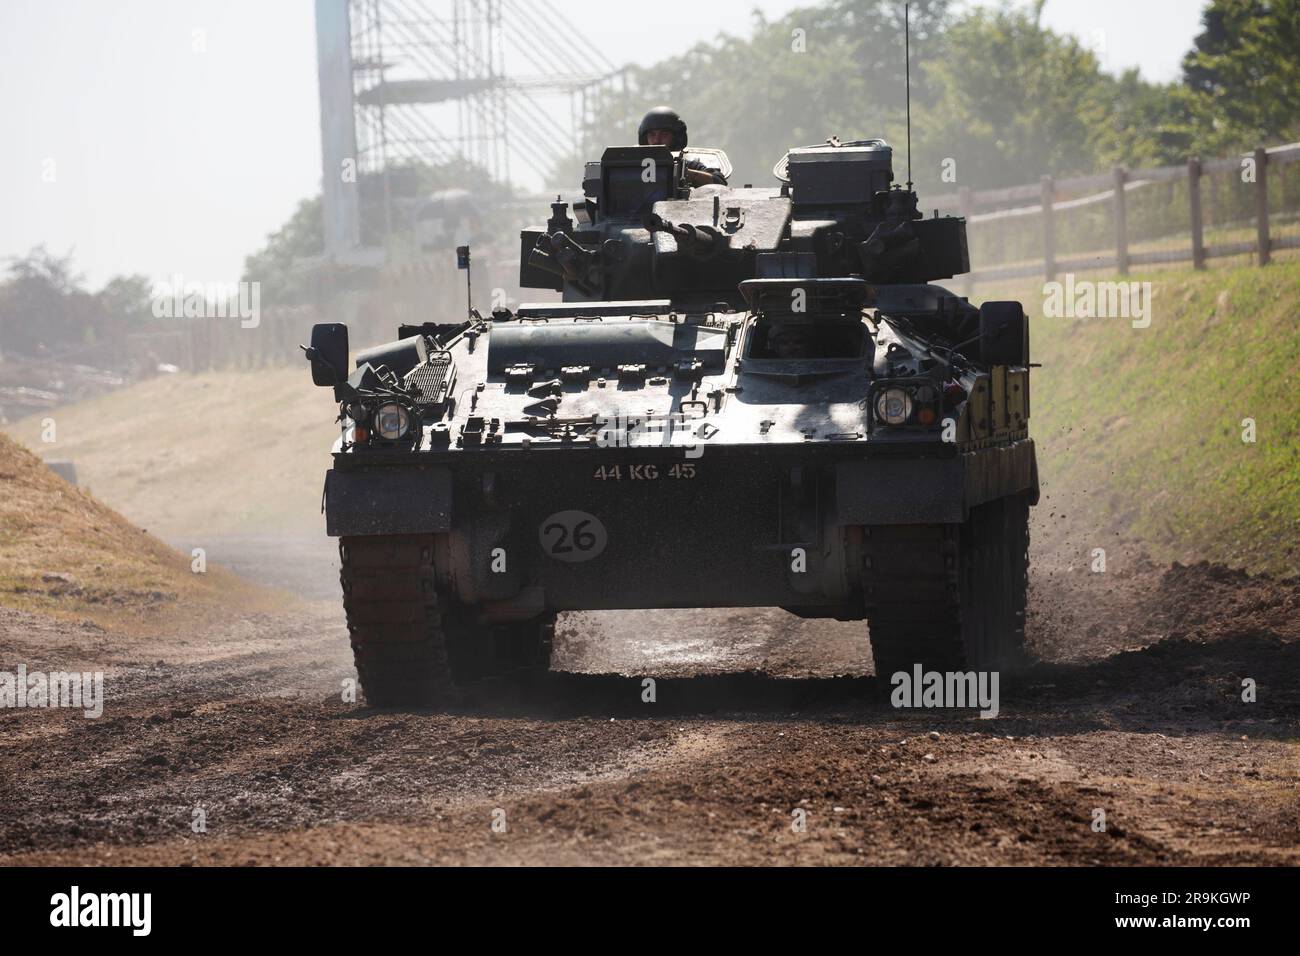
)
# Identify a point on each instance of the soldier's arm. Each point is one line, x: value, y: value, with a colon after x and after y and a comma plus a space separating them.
x: 697, y: 174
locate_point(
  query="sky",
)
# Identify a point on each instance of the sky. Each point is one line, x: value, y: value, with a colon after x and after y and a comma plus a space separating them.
x: 168, y: 138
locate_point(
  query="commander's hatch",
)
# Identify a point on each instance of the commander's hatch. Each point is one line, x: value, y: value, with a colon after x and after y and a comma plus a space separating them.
x: 802, y: 327
x: 713, y: 158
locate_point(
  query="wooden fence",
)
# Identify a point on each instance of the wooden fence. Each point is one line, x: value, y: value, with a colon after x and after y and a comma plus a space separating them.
x: 1012, y: 240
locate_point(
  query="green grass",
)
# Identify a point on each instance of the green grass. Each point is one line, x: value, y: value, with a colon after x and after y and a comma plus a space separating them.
x: 1140, y: 430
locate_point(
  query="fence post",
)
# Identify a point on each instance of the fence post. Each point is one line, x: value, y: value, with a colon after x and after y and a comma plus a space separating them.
x: 1121, y: 221
x: 1198, y: 221
x: 1261, y: 205
x: 1048, y: 198
x: 967, y: 203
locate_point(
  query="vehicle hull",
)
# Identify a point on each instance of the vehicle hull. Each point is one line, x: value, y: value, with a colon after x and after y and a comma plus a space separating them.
x: 585, y: 528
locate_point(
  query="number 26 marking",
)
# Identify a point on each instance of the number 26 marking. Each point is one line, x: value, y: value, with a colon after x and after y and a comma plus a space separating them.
x: 573, y: 536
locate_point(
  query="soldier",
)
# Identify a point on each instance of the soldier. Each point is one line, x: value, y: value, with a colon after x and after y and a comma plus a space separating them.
x: 663, y: 127
x: 791, y: 342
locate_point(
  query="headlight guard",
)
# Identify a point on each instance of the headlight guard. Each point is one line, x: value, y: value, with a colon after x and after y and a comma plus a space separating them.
x: 903, y: 403
x: 391, y: 421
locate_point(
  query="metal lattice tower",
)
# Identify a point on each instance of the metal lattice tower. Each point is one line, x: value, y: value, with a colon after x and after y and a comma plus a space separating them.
x: 480, y: 82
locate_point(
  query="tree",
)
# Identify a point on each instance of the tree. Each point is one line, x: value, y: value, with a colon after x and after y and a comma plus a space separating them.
x: 277, y: 265
x: 836, y: 69
x: 46, y: 311
x: 1139, y: 124
x: 1244, y: 74
x: 1008, y: 100
x: 43, y: 305
x: 288, y: 265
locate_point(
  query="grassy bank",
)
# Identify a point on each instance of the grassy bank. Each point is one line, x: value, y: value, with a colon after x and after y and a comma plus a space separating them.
x: 1141, y: 430
x: 66, y: 554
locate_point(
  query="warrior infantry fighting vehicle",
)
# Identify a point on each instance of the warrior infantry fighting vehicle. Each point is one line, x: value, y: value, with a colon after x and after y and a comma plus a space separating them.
x: 746, y: 397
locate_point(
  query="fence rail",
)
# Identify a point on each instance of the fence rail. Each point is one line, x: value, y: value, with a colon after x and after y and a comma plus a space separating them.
x: 1127, y: 218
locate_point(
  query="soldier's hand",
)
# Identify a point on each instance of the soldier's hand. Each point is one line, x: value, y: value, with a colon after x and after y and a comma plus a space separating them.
x: 700, y: 177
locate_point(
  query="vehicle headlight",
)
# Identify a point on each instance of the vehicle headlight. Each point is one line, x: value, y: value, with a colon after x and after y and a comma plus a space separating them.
x: 893, y: 406
x: 392, y: 421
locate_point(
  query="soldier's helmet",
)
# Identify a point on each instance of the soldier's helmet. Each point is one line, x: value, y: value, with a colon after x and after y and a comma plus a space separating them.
x: 663, y: 117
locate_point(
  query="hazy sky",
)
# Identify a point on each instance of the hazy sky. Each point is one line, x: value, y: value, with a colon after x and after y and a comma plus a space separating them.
x: 164, y: 137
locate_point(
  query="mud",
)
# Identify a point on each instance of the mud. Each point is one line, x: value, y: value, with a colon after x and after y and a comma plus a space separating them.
x: 761, y: 722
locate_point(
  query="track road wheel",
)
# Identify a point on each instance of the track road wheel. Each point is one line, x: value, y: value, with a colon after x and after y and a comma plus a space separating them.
x: 415, y: 646
x: 950, y: 597
x: 395, y: 620
x: 995, y: 586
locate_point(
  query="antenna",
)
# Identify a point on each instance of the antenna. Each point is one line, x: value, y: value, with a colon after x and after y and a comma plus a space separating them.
x: 907, y: 69
x: 462, y: 262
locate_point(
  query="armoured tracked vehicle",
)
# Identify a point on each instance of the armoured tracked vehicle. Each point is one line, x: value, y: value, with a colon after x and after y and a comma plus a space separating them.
x: 745, y: 397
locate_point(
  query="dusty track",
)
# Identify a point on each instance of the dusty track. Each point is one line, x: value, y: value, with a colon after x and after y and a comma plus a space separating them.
x: 1136, y: 711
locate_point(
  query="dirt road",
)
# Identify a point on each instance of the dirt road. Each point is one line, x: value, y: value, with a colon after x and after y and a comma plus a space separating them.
x: 1136, y: 711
